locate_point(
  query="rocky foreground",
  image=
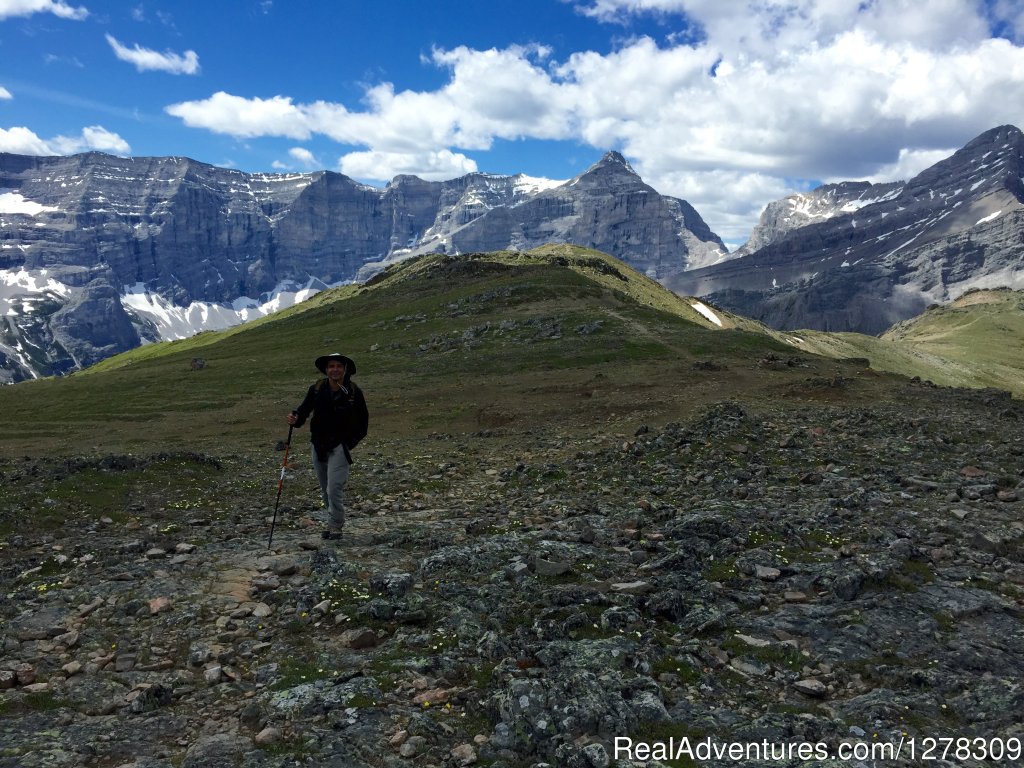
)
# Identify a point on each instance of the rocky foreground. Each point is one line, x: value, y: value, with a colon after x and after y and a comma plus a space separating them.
x: 828, y: 574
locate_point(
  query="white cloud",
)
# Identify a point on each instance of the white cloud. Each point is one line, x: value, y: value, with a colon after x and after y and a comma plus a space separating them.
x: 432, y: 166
x: 909, y: 163
x: 4, y: 93
x: 773, y: 95
x: 145, y: 59
x: 9, y: 8
x: 303, y: 157
x: 22, y: 141
x: 245, y: 118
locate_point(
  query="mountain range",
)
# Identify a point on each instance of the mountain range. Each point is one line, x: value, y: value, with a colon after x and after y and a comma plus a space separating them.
x: 860, y: 257
x: 99, y: 254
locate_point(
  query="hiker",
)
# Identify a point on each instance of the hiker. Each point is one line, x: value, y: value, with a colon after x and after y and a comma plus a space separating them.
x: 340, y: 421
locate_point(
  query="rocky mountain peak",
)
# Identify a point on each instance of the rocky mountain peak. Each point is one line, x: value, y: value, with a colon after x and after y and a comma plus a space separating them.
x: 168, y: 233
x: 852, y: 258
x: 993, y: 159
x: 614, y: 158
x: 612, y: 169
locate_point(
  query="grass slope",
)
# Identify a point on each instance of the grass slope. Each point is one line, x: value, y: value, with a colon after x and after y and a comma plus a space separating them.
x: 977, y: 341
x: 561, y: 335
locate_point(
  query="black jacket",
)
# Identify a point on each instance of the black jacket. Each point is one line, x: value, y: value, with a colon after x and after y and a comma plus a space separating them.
x: 339, y: 418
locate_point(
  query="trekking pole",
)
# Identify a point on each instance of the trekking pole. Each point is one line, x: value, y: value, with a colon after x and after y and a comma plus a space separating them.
x: 280, y: 485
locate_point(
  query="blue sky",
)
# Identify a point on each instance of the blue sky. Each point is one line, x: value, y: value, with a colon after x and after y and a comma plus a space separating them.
x: 729, y: 105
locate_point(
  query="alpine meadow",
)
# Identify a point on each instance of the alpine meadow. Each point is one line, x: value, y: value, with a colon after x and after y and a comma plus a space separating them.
x: 588, y: 509
x: 548, y: 384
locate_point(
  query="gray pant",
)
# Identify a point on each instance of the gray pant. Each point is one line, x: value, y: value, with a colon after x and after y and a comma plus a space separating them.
x: 332, y: 475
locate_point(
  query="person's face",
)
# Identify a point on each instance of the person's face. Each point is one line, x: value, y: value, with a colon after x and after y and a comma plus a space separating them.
x: 335, y: 369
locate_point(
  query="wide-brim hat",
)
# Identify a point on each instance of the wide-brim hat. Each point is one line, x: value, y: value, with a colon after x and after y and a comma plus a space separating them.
x: 321, y: 363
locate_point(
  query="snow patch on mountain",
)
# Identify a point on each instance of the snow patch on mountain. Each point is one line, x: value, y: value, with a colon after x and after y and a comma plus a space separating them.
x: 173, y: 322
x: 531, y: 185
x: 20, y: 289
x: 707, y: 312
x: 14, y: 202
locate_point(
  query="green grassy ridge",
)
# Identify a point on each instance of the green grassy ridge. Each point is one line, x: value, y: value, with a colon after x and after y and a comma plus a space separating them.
x: 977, y: 341
x: 428, y: 335
x: 561, y: 335
x: 596, y: 266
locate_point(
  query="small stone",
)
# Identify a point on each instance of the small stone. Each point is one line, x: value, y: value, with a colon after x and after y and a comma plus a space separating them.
x: 748, y: 667
x: 72, y: 668
x: 7, y: 679
x: 754, y: 642
x: 465, y: 754
x: 432, y: 696
x: 268, y: 735
x: 265, y: 582
x: 212, y: 675
x: 262, y: 611
x: 284, y: 567
x: 25, y: 674
x: 124, y: 662
x: 794, y: 597
x: 85, y: 610
x: 766, y: 573
x: 184, y: 548
x: 36, y: 688
x: 155, y: 553
x: 811, y: 687
x: 358, y: 639
x: 68, y: 639
x: 543, y: 567
x: 399, y: 738
x: 159, y: 605
x: 632, y: 587
x: 412, y: 746
x: 322, y: 607
x: 199, y: 654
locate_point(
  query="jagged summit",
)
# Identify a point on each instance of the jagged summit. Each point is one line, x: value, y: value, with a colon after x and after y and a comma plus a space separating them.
x: 614, y: 158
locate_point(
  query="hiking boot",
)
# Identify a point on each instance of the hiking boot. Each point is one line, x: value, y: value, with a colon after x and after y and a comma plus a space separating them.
x: 330, y: 535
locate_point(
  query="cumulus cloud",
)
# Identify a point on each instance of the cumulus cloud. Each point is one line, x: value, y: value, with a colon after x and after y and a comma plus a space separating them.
x: 762, y: 99
x: 432, y: 166
x: 4, y: 93
x: 303, y: 157
x: 908, y: 164
x: 22, y: 141
x: 245, y: 118
x: 145, y: 59
x: 9, y: 8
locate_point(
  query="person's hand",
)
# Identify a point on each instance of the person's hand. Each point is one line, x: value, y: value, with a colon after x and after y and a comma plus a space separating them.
x: 292, y: 419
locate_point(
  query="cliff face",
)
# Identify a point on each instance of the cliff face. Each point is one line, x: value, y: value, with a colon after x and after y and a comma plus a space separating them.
x: 181, y: 232
x: 609, y: 208
x: 857, y: 257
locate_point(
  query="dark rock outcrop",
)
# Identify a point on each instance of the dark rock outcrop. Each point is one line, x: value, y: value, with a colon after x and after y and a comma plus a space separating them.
x: 94, y: 325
